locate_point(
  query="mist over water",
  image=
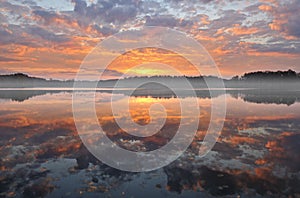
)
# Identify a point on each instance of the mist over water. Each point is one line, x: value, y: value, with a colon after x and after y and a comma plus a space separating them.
x: 252, y: 95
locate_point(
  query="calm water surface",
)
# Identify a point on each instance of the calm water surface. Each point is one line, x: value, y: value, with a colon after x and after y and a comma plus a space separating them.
x: 41, y: 154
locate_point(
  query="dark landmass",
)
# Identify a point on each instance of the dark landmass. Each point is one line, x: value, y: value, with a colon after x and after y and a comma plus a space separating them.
x: 20, y: 80
x: 262, y: 80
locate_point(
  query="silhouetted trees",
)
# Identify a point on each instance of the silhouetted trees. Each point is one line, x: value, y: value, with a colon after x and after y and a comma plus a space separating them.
x: 271, y: 75
x: 258, y: 79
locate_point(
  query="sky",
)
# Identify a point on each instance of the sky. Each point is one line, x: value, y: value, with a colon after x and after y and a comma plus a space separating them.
x: 50, y: 39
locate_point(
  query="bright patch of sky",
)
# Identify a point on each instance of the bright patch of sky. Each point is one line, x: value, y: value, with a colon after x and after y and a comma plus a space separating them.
x: 262, y: 16
x: 58, y: 5
x: 258, y: 39
x: 55, y: 5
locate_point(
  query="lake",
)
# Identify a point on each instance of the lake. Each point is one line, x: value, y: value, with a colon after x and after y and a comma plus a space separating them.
x: 256, y: 155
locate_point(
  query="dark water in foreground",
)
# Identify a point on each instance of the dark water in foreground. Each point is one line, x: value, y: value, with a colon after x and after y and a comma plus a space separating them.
x: 257, y: 154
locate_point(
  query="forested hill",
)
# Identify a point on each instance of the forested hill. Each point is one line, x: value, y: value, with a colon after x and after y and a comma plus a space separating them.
x: 258, y: 79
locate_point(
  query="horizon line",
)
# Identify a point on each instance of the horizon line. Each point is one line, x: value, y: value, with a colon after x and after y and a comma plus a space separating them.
x: 189, y: 76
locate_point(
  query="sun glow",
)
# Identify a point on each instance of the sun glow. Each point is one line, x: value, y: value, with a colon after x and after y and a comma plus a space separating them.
x: 151, y: 62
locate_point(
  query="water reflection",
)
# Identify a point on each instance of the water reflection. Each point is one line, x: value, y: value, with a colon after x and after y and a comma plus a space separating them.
x: 256, y: 154
x: 259, y: 96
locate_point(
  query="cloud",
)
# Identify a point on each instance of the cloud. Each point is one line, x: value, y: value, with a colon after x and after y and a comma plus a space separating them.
x: 14, y: 9
x: 286, y: 18
x: 228, y: 19
x: 104, y: 30
x: 121, y: 14
x: 3, y: 18
x: 191, y: 1
x: 47, y: 35
x: 168, y: 21
x: 287, y: 48
x: 29, y: 2
x: 5, y: 59
x: 14, y: 34
x: 241, y: 30
x: 266, y: 8
x: 118, y: 11
x: 50, y: 17
x: 5, y: 35
x: 234, y: 33
x: 80, y: 6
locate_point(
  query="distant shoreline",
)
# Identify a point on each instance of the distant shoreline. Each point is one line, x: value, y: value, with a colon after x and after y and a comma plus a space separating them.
x: 256, y: 80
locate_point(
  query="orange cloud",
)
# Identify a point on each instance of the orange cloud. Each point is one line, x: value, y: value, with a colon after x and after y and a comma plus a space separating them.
x: 266, y: 8
x: 238, y: 30
x: 221, y: 51
x: 276, y: 25
x: 236, y: 140
x: 137, y: 57
x: 205, y: 20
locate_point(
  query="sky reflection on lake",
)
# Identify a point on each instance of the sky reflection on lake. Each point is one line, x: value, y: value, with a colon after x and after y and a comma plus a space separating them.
x: 41, y: 153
